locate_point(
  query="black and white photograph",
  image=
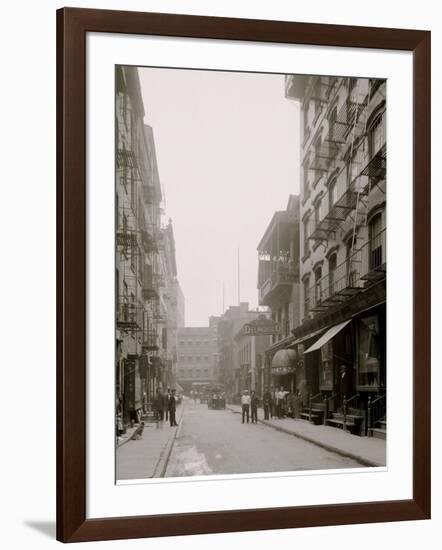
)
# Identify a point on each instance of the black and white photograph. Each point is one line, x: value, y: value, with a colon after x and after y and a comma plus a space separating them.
x: 250, y: 273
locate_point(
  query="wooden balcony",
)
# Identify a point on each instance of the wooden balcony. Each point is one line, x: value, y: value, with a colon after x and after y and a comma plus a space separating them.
x: 280, y: 282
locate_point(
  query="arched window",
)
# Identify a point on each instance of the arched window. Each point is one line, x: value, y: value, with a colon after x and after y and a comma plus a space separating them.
x: 376, y: 135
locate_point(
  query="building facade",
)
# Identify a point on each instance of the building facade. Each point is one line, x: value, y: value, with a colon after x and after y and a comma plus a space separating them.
x: 252, y: 341
x: 278, y: 288
x: 340, y: 342
x: 197, y: 354
x: 144, y: 260
x: 229, y: 372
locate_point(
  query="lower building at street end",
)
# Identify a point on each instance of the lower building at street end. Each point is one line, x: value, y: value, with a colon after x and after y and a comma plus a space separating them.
x: 197, y: 353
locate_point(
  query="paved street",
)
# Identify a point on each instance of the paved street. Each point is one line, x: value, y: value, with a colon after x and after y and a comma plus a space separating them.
x: 213, y: 442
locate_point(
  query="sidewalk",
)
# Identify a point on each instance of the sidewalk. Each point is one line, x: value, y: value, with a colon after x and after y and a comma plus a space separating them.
x: 147, y: 457
x: 369, y: 451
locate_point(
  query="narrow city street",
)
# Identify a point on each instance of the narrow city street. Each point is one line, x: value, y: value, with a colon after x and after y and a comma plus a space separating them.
x: 213, y: 442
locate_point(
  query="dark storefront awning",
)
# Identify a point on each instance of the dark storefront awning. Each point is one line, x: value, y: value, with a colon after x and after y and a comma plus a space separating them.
x: 331, y: 332
x: 303, y: 339
x: 283, y: 361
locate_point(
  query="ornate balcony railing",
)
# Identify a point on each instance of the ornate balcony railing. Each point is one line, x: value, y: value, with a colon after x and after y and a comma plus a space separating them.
x: 283, y: 274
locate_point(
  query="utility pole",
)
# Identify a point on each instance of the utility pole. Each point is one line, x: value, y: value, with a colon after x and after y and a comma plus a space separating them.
x: 239, y: 279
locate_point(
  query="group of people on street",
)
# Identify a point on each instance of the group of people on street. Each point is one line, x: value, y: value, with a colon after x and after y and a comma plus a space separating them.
x: 277, y: 403
x: 166, y: 403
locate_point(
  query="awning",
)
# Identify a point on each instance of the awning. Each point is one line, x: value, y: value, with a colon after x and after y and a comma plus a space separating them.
x: 306, y: 337
x: 331, y: 332
x: 284, y: 360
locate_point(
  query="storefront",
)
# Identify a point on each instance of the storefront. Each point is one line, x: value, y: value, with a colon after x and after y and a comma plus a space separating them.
x: 283, y: 368
x: 348, y: 363
x: 370, y: 327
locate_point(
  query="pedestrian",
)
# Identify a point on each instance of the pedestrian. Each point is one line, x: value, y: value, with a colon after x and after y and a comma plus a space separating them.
x: 254, y: 407
x: 281, y: 402
x: 273, y: 411
x: 172, y: 408
x: 158, y: 406
x: 245, y: 405
x: 166, y: 397
x: 267, y: 403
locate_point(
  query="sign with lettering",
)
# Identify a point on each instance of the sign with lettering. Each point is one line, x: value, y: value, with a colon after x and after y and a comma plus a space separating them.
x: 261, y: 330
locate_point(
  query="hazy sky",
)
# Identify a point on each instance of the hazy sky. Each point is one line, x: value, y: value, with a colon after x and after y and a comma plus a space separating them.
x: 228, y: 156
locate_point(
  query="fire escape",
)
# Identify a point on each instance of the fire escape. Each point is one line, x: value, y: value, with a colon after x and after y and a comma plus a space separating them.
x: 352, y: 173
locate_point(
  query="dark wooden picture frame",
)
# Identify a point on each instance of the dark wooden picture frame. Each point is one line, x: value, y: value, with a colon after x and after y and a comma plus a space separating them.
x: 72, y: 26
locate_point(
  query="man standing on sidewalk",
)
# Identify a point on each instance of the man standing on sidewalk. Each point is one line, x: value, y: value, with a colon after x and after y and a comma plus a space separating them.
x: 267, y: 402
x: 172, y: 408
x: 166, y: 397
x: 245, y: 405
x: 254, y: 407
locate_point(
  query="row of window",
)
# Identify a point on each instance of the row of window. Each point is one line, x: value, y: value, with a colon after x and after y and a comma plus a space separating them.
x: 190, y: 358
x: 347, y: 272
x: 184, y: 343
x: 375, y: 140
x: 193, y: 373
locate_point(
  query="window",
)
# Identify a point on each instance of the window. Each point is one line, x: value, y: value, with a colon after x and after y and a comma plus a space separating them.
x: 306, y: 285
x: 286, y: 320
x: 317, y: 99
x: 352, y: 84
x: 331, y: 194
x: 376, y: 136
x: 317, y: 212
x: 318, y: 291
x: 369, y: 351
x: 331, y: 274
x: 332, y: 124
x: 376, y: 236
x: 305, y: 116
x: 326, y: 373
x: 306, y: 236
x: 305, y: 178
x: 133, y: 193
x: 351, y: 265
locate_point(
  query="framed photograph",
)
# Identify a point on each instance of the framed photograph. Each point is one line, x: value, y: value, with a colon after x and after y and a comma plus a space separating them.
x: 232, y: 355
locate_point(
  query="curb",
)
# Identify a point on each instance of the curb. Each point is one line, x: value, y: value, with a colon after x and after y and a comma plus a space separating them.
x: 363, y: 461
x: 130, y: 438
x: 163, y: 461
